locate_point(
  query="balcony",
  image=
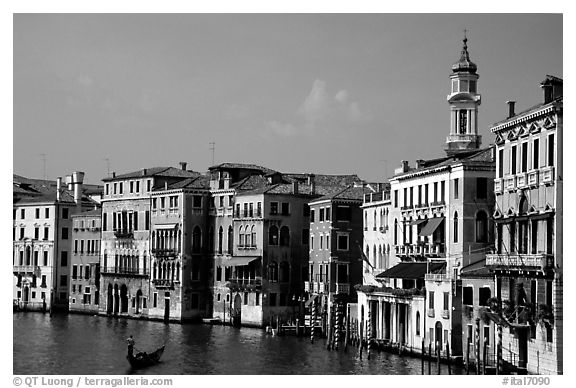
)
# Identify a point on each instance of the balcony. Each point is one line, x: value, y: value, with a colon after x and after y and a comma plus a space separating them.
x: 445, y: 314
x: 383, y: 229
x: 533, y: 178
x: 32, y: 269
x: 343, y: 288
x: 547, y: 175
x: 165, y: 252
x: 431, y: 313
x: 129, y: 272
x: 123, y: 233
x: 257, y: 281
x: 437, y: 203
x: 510, y: 183
x: 165, y: 283
x: 498, y: 186
x: 524, y: 262
x: 521, y: 180
x: 436, y: 277
x: 307, y: 287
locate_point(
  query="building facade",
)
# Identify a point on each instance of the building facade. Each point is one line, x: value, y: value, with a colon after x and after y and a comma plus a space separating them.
x: 85, y: 262
x: 528, y: 262
x: 125, y: 249
x: 42, y: 232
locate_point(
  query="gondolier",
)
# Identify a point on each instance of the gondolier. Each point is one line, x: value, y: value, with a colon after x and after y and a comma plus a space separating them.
x: 131, y: 343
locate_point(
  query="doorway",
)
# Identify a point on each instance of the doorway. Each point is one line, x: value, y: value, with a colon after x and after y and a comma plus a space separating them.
x: 237, y: 311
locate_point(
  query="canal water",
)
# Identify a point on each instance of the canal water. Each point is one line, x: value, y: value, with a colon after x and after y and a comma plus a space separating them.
x: 84, y: 344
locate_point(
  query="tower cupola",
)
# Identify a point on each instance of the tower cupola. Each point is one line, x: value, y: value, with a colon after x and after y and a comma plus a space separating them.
x: 464, y: 101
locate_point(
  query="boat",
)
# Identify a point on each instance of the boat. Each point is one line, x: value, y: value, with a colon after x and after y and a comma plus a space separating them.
x: 143, y: 359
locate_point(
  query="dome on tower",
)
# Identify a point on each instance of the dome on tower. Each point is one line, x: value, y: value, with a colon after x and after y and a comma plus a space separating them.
x: 464, y: 65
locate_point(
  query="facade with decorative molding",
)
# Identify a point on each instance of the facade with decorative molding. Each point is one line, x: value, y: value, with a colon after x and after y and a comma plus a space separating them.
x: 528, y: 263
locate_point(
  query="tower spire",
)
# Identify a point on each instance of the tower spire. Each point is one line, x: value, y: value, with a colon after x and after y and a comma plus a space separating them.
x: 464, y: 101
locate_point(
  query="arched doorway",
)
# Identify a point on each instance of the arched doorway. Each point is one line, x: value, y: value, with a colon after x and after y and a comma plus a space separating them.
x: 109, y: 300
x: 123, y: 299
x: 26, y: 295
x: 116, y: 300
x: 438, y: 335
x: 138, y: 300
x: 237, y: 311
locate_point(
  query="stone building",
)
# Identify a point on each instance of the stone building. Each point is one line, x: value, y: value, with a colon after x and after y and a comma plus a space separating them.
x: 85, y: 262
x: 335, y: 251
x: 42, y: 229
x: 180, y: 265
x: 528, y: 263
x: 125, y: 249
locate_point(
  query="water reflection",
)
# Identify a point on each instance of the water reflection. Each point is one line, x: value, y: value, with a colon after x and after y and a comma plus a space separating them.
x: 82, y: 344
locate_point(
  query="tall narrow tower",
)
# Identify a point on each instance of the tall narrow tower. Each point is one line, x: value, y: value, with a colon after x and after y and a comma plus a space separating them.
x: 464, y: 101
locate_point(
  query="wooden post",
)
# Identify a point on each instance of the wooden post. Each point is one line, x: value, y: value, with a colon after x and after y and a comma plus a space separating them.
x: 347, y: 334
x: 330, y: 330
x: 468, y: 357
x: 484, y: 357
x: 448, y: 358
x: 430, y: 357
x: 338, y: 326
x: 312, y: 320
x: 423, y: 354
x: 369, y: 329
x: 499, y: 352
x: 477, y: 343
x: 360, y: 339
x: 438, y: 356
x: 297, y: 327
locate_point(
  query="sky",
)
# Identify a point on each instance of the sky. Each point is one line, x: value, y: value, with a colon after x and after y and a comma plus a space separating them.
x: 322, y: 93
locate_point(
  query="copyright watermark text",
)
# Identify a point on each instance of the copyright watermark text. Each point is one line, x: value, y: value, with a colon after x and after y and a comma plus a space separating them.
x: 84, y: 381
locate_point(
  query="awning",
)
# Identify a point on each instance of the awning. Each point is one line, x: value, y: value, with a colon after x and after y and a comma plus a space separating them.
x: 310, y: 300
x: 497, y: 319
x: 417, y: 222
x: 431, y: 226
x: 164, y: 226
x: 411, y: 270
x: 239, y: 260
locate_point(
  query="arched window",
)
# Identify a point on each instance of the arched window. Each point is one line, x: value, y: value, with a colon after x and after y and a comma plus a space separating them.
x: 220, y: 238
x: 211, y: 239
x: 241, y: 236
x: 374, y: 256
x: 395, y: 231
x: 366, y: 219
x: 481, y: 227
x: 374, y: 219
x: 28, y: 255
x: 196, y: 239
x: 284, y: 272
x: 380, y: 257
x: 417, y: 322
x: 230, y: 239
x: 273, y: 272
x: 253, y: 232
x: 284, y: 236
x: 455, y: 227
x: 367, y: 251
x: 273, y: 235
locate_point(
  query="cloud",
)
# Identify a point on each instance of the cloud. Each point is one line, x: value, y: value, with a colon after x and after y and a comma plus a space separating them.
x: 321, y: 112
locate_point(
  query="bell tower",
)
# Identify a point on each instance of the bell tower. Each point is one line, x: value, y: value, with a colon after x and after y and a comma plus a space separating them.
x: 464, y: 102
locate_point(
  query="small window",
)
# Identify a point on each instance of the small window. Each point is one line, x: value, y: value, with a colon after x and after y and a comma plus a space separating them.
x: 285, y: 209
x: 65, y: 213
x: 321, y: 215
x: 245, y: 298
x: 312, y: 218
x: 431, y: 299
x: 487, y: 335
x: 273, y: 208
x: 342, y: 242
x: 456, y: 188
x: 64, y: 233
x: 484, y: 294
x: 257, y: 299
x: 272, y: 299
x: 197, y: 201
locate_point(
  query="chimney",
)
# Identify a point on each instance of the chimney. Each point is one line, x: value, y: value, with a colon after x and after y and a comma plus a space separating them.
x: 166, y: 185
x: 69, y: 182
x: 183, y: 166
x: 511, y: 112
x: 113, y: 174
x: 295, y: 187
x: 419, y: 163
x: 312, y: 183
x: 58, y: 188
x: 143, y: 172
x: 77, y: 181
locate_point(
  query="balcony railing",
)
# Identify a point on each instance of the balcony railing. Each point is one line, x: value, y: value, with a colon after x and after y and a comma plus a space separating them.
x: 510, y: 183
x: 123, y: 233
x: 437, y: 203
x: 343, y: 288
x: 533, y: 178
x: 498, y: 185
x: 436, y: 277
x: 307, y: 287
x: 520, y: 261
x: 34, y: 269
x: 431, y: 313
x: 521, y: 180
x: 445, y: 314
x: 126, y: 271
x: 257, y: 281
x: 164, y: 252
x: 430, y: 250
x: 547, y: 175
x: 165, y: 283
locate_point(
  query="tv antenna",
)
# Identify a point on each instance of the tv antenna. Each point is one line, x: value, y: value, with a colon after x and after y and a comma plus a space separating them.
x: 44, y: 175
x: 107, y: 166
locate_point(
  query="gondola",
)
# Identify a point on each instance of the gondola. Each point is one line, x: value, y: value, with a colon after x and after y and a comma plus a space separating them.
x: 143, y: 359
